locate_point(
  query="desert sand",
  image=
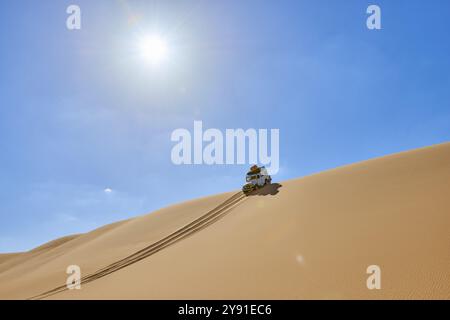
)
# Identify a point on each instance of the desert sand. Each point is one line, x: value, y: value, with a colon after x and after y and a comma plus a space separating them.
x: 307, y: 238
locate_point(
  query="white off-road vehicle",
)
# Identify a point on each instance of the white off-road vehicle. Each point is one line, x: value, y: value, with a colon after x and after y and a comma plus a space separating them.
x: 256, y: 178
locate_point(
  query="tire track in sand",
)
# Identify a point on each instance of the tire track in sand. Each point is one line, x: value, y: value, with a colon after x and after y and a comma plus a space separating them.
x: 182, y: 233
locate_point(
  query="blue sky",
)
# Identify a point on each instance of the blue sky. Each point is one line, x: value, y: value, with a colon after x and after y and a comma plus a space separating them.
x: 81, y: 112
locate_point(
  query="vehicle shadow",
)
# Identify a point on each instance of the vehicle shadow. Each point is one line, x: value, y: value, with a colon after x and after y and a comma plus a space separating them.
x: 271, y: 189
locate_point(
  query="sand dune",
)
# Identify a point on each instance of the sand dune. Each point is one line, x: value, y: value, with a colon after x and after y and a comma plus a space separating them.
x: 8, y: 256
x: 306, y: 238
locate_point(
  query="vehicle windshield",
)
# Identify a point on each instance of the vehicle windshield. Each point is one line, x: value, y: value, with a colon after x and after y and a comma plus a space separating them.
x: 249, y: 178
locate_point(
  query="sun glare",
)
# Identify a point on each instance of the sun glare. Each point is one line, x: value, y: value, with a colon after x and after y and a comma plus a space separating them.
x: 153, y: 49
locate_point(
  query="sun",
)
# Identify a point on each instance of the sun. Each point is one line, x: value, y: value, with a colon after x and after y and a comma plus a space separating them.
x: 153, y: 49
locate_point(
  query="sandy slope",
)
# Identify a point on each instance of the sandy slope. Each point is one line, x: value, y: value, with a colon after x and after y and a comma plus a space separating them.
x: 309, y: 238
